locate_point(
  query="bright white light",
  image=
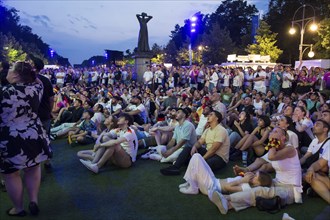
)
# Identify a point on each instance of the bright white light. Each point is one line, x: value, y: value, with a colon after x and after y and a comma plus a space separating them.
x: 193, y: 30
x: 292, y: 31
x: 200, y: 47
x: 313, y: 27
x: 193, y: 19
x: 193, y: 24
x: 311, y: 54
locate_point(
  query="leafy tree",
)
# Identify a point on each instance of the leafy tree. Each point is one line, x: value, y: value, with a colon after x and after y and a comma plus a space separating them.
x: 29, y: 43
x: 171, y: 52
x: 279, y: 17
x: 235, y: 16
x: 322, y: 46
x: 156, y: 50
x: 11, y: 50
x: 219, y: 45
x: 265, y: 43
x: 183, y: 56
x: 158, y: 59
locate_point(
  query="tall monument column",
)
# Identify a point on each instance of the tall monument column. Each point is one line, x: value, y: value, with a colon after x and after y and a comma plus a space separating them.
x: 143, y: 54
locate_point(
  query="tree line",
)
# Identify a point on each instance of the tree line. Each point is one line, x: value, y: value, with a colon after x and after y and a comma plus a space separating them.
x: 18, y: 41
x: 228, y: 31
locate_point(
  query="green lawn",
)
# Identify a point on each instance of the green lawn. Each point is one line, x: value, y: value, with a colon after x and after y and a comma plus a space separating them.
x: 73, y: 192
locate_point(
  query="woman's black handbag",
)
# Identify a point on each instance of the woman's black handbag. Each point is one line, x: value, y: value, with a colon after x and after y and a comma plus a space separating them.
x: 272, y: 205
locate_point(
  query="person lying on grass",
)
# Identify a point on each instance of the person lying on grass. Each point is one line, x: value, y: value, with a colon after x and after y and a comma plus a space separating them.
x: 287, y: 183
x: 200, y: 177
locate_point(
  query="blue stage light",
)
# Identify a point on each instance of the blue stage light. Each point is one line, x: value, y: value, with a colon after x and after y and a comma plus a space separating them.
x: 52, y: 53
x: 193, y: 19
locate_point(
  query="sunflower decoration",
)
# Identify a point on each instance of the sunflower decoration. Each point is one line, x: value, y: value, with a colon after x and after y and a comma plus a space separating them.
x: 273, y: 142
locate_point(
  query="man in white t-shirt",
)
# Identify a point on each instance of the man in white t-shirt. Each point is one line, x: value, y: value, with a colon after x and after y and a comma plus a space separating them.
x: 124, y: 75
x: 158, y: 77
x: 113, y: 106
x: 318, y: 173
x: 320, y: 130
x: 287, y: 81
x: 147, y: 77
x: 139, y: 113
x: 95, y: 77
x: 203, y: 120
x: 60, y: 76
x: 213, y: 79
x: 121, y: 151
x: 259, y: 78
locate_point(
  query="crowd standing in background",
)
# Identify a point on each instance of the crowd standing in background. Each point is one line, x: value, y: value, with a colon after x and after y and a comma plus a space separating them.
x: 218, y: 112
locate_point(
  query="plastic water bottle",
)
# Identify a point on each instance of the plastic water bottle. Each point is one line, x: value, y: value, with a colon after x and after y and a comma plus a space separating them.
x: 244, y: 158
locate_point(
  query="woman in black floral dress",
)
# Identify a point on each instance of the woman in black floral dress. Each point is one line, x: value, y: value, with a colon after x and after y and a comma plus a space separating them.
x: 23, y: 141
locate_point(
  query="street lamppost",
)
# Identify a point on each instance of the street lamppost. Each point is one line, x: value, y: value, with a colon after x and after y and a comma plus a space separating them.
x: 302, y: 23
x: 192, y: 31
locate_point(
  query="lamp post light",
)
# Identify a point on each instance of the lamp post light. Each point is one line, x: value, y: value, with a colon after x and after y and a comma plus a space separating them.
x: 302, y: 23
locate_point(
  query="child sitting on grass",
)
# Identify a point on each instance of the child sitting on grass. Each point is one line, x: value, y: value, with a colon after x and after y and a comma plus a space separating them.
x: 83, y: 135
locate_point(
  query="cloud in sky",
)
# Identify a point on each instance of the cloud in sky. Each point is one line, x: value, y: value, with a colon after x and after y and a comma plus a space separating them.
x: 81, y: 29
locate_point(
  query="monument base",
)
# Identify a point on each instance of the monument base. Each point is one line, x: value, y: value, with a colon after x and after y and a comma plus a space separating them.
x: 142, y: 60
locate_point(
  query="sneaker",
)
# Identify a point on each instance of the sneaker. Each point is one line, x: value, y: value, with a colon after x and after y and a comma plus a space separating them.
x: 184, y: 185
x: 146, y: 155
x: 170, y: 171
x: 214, y: 187
x: 89, y: 165
x: 153, y: 148
x: 155, y: 156
x: 220, y: 201
x: 189, y: 190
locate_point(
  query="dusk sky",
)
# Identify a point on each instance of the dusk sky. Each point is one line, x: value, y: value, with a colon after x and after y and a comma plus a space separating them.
x: 80, y: 29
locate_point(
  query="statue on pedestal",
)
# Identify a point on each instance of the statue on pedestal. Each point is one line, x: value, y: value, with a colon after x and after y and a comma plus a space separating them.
x: 143, y: 43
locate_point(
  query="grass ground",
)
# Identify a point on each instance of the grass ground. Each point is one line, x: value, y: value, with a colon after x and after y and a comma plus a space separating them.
x: 73, y: 192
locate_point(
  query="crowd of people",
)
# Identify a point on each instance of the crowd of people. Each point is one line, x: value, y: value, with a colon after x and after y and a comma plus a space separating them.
x: 199, y: 117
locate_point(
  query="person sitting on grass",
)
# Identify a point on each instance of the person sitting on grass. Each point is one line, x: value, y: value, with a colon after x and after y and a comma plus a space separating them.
x: 199, y: 176
x: 216, y: 153
x: 184, y: 136
x: 320, y: 130
x: 108, y: 134
x: 71, y: 114
x: 83, y: 135
x: 317, y: 175
x: 121, y: 150
x: 63, y: 129
x: 254, y: 141
x: 263, y: 163
x: 287, y: 183
x: 163, y: 132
